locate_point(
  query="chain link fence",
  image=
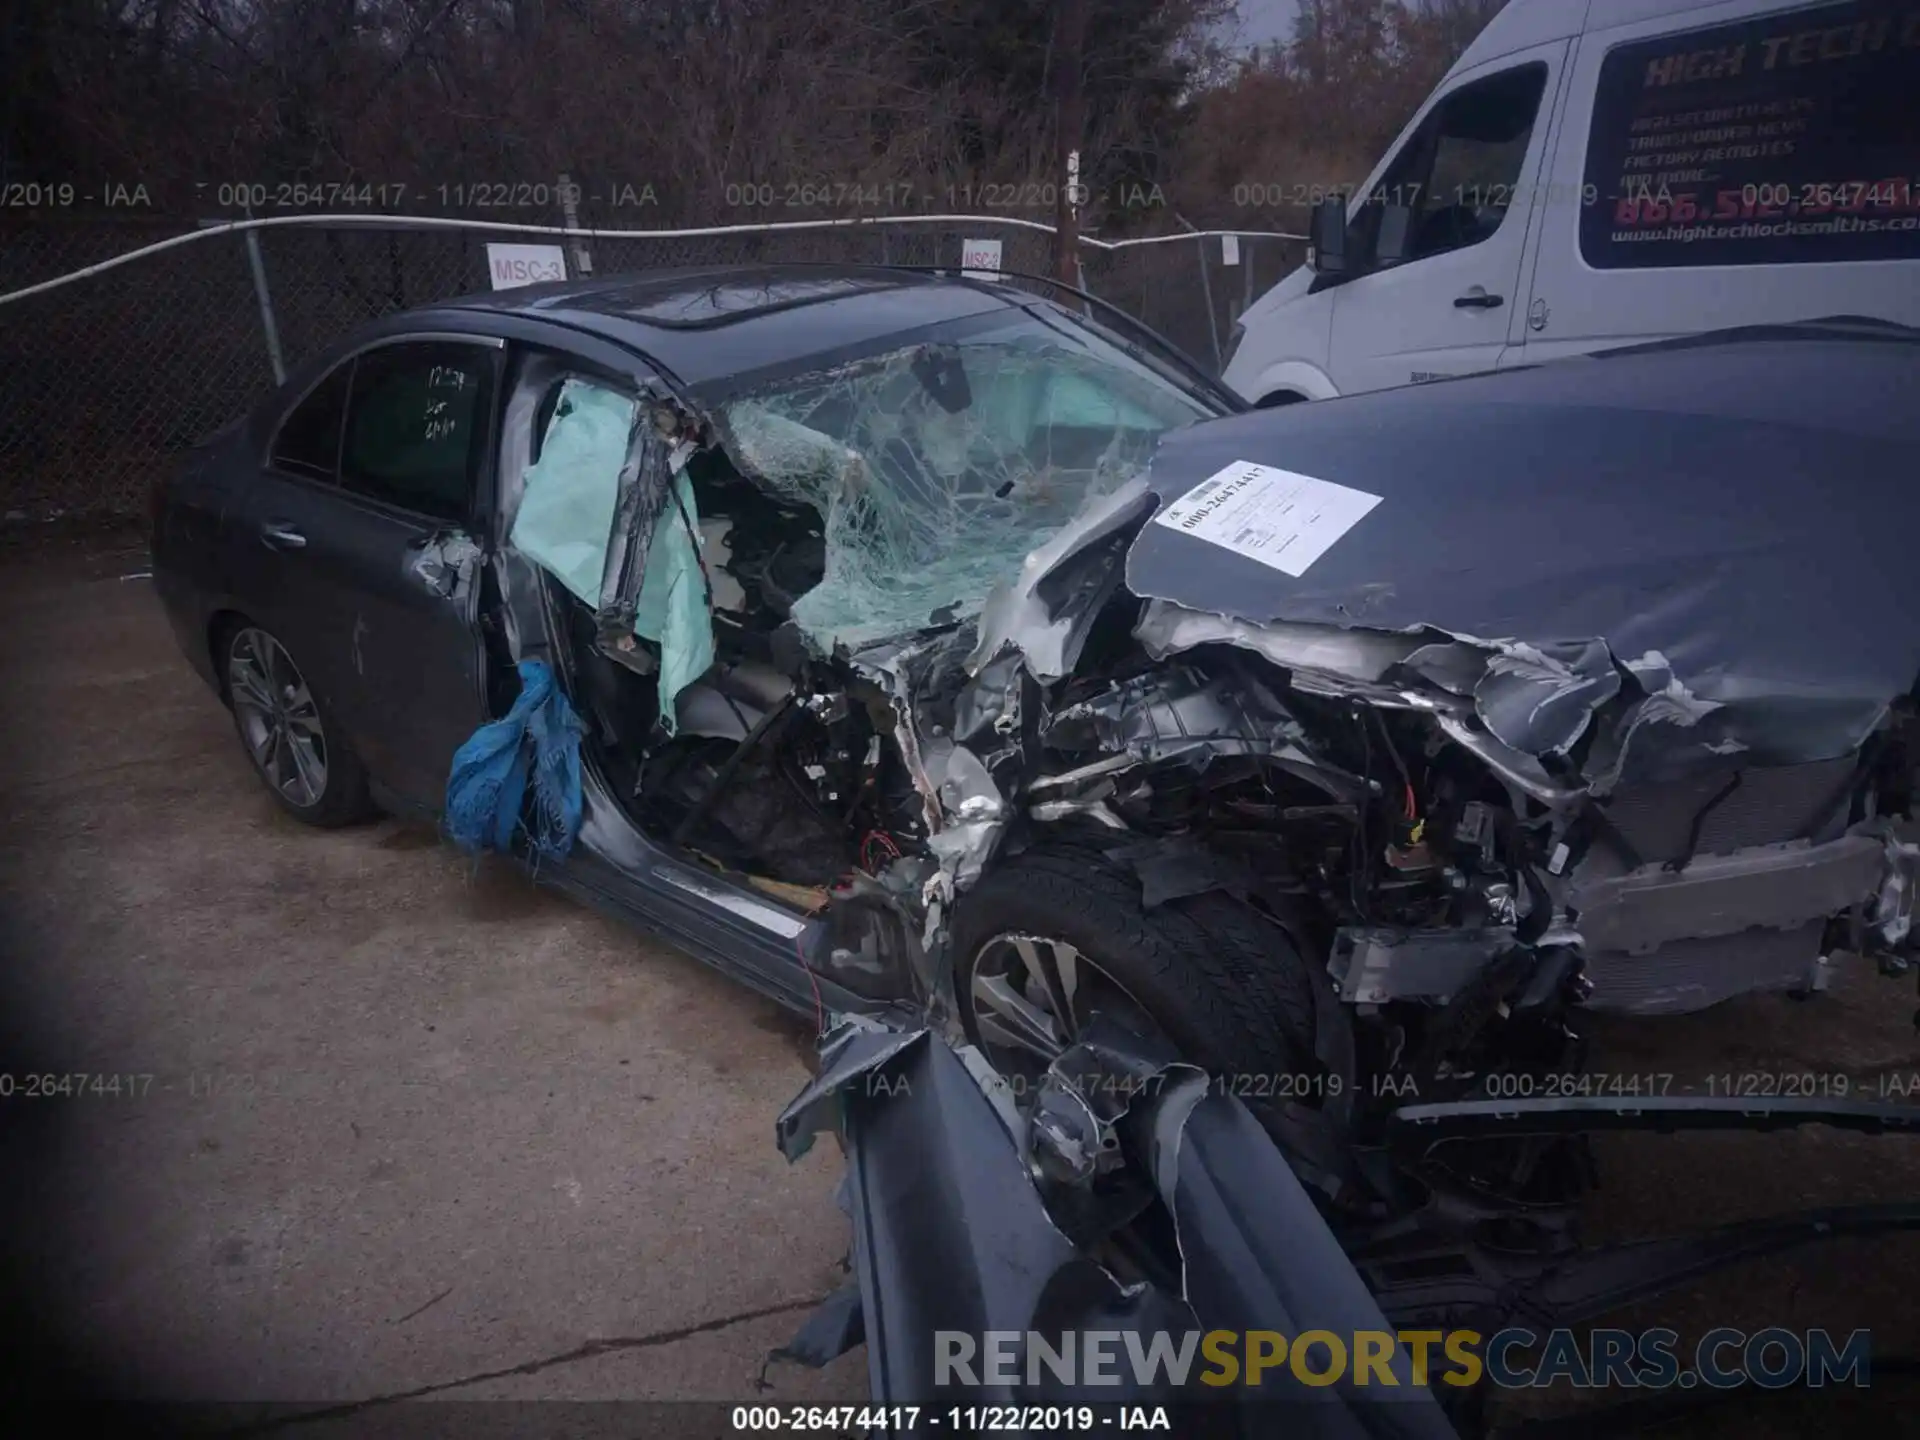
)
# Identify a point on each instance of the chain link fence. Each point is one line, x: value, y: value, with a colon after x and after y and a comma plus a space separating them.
x: 104, y: 380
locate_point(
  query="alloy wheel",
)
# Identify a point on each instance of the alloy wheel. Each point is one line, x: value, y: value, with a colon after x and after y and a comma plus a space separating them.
x: 279, y: 720
x: 1033, y: 996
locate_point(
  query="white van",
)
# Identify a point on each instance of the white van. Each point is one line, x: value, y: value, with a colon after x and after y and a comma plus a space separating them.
x: 1602, y: 172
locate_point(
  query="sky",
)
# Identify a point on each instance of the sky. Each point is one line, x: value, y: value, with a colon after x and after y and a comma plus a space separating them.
x: 1264, y: 21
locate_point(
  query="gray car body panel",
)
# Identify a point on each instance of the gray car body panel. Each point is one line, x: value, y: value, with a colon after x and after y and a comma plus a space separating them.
x: 950, y: 1234
x: 1732, y: 531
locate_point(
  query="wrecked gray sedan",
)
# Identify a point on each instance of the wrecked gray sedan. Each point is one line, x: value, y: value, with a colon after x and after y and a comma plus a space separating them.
x: 909, y: 642
x: 936, y: 646
x: 919, y: 650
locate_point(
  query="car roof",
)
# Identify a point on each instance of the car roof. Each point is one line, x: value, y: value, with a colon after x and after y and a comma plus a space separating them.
x: 710, y: 322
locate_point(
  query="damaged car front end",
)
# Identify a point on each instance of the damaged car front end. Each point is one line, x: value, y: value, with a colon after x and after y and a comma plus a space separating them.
x: 1313, y: 762
x: 1561, y: 724
x: 1353, y: 751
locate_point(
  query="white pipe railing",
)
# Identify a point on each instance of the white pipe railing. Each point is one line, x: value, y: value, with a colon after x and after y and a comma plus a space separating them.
x: 436, y: 222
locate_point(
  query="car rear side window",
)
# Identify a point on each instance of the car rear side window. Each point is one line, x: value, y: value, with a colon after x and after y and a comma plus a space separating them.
x: 1788, y: 140
x: 309, y: 438
x: 416, y: 426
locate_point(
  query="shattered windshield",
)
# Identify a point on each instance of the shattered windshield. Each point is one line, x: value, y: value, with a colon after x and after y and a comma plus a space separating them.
x: 937, y: 466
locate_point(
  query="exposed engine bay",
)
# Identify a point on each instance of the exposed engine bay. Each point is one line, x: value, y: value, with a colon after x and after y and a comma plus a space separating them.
x: 1460, y: 913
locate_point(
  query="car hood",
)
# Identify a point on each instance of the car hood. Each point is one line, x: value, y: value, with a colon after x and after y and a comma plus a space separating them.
x: 1715, y: 537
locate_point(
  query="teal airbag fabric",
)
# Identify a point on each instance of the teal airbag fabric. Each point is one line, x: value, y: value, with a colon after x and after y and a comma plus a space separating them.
x: 566, y: 507
x: 673, y: 608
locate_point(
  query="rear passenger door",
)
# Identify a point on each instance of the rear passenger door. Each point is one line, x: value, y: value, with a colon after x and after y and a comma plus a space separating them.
x: 1743, y: 170
x: 369, y: 567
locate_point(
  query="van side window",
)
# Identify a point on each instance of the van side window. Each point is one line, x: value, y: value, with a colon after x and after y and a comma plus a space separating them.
x: 1457, y: 173
x: 1787, y: 140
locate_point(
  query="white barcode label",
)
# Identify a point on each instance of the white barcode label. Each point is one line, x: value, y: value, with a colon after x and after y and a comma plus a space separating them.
x: 1277, y: 517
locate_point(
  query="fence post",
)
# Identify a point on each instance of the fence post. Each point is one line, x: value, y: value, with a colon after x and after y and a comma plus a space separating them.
x: 1206, y: 293
x: 268, y: 326
x: 1069, y: 120
x: 570, y: 212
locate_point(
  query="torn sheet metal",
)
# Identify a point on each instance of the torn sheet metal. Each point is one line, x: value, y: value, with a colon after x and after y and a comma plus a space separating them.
x: 977, y: 815
x: 1045, y: 612
x: 1257, y: 1255
x: 1892, y: 913
x: 673, y: 608
x: 907, y: 673
x: 446, y: 563
x: 1513, y: 510
x: 948, y: 1233
x: 1342, y: 657
x: 951, y: 1234
x: 957, y: 1204
x: 646, y: 491
x: 856, y: 1049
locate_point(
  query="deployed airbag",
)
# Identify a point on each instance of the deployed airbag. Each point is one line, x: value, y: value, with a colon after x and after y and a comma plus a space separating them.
x: 565, y: 524
x: 566, y: 508
x: 673, y: 608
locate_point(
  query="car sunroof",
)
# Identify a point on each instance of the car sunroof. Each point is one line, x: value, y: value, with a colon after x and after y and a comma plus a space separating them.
x: 700, y: 307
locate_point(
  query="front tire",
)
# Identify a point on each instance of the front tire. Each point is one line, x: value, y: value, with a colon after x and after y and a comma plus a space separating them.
x: 1054, y: 935
x: 288, y: 733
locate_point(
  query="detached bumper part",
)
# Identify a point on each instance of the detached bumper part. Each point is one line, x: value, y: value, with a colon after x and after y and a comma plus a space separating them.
x: 950, y: 1234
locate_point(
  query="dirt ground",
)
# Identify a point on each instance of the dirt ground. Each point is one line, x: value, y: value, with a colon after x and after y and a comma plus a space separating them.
x: 390, y: 1123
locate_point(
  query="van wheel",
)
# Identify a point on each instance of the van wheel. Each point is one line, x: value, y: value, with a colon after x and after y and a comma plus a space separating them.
x: 1054, y: 937
x: 1279, y: 398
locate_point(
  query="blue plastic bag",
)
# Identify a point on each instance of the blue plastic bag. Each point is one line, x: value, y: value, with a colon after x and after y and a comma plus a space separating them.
x: 535, y: 746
